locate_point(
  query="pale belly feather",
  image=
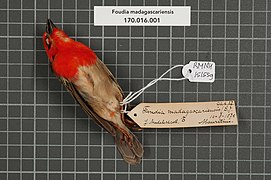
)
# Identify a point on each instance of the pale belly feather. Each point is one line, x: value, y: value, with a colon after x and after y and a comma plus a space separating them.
x: 100, y: 93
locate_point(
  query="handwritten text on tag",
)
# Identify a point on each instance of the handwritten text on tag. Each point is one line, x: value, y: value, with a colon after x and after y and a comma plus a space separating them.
x: 199, y: 71
x: 177, y: 115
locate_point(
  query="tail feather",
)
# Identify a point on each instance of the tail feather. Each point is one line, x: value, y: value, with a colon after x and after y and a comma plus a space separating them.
x: 137, y: 147
x: 131, y: 153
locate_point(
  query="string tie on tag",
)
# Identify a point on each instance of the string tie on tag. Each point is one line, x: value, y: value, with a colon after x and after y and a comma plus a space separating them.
x: 133, y: 95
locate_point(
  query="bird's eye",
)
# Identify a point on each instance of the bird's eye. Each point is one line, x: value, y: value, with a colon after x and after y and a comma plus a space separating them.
x: 48, y: 42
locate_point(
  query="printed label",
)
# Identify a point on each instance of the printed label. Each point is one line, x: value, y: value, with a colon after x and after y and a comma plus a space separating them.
x: 142, y: 16
x: 177, y: 115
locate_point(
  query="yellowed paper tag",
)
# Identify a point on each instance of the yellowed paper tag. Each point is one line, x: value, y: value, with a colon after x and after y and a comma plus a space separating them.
x: 178, y: 115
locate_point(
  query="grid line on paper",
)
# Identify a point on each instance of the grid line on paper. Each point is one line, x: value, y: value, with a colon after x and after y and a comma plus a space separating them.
x: 251, y: 83
x: 225, y: 57
x: 61, y: 99
x: 92, y: 10
x: 7, y: 142
x: 110, y: 37
x: 170, y: 99
x: 130, y: 72
x: 75, y: 117
x: 265, y: 96
x: 156, y: 98
x: 143, y: 82
x: 116, y: 75
x: 197, y: 91
x: 238, y: 87
x: 21, y: 107
x: 210, y: 138
x: 48, y: 112
x: 88, y: 124
x: 183, y: 89
x: 34, y: 89
x: 102, y: 136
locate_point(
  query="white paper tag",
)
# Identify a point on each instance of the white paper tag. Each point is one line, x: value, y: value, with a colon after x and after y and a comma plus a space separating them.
x: 142, y: 15
x: 199, y: 71
x: 177, y: 115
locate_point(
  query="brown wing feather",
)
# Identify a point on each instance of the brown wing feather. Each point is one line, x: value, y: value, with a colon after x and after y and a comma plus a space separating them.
x: 76, y: 95
x: 103, y: 68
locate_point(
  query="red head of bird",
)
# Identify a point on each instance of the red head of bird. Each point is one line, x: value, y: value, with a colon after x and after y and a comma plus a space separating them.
x: 65, y: 54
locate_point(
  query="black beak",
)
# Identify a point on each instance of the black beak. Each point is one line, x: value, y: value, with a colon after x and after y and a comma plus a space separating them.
x: 50, y: 26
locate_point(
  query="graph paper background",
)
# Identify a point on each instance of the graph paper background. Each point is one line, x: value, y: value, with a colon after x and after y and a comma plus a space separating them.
x: 44, y: 134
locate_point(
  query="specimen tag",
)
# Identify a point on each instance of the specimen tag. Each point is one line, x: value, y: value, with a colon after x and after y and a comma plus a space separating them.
x: 199, y: 71
x: 178, y: 115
